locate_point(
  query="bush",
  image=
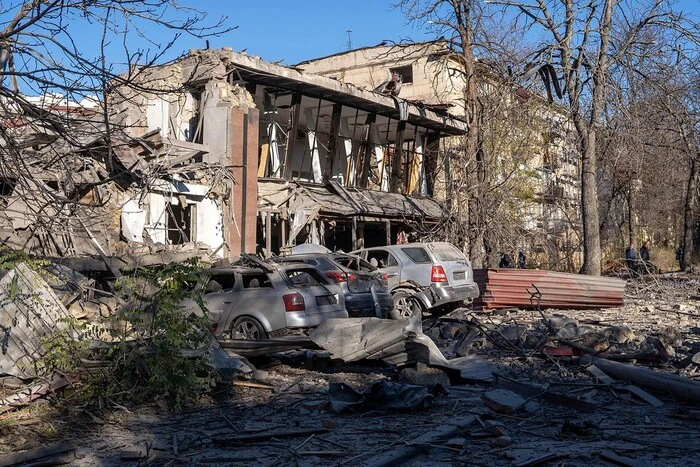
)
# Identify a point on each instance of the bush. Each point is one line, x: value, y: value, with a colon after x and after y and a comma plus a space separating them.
x: 138, y: 355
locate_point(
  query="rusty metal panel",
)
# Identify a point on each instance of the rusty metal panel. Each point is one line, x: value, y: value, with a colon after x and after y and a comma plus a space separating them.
x: 503, y: 288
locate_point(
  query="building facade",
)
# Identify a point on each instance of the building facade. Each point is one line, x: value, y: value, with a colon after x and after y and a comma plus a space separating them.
x: 311, y: 159
x: 530, y: 140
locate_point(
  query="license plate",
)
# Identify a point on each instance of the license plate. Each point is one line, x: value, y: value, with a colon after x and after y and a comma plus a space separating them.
x: 326, y: 300
x: 458, y: 276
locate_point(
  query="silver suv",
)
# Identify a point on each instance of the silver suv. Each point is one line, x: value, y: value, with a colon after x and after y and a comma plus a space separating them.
x: 438, y: 274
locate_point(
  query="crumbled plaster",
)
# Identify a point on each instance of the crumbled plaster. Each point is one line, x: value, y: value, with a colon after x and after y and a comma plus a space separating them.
x: 173, y: 83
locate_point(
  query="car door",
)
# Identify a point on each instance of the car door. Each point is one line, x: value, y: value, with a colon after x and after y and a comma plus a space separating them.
x: 219, y: 296
x: 417, y: 264
x: 257, y: 297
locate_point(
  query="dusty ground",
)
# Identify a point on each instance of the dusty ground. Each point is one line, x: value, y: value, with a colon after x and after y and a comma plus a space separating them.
x: 620, y: 430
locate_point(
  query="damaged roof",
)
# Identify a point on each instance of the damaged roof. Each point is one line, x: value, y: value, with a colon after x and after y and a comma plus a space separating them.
x: 343, y: 201
x: 256, y: 71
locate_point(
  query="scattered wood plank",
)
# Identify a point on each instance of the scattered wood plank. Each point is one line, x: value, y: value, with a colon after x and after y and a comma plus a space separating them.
x: 637, y: 391
x: 30, y: 394
x: 531, y: 392
x: 676, y: 386
x: 242, y: 439
x: 23, y: 457
x: 423, y: 443
x: 250, y: 384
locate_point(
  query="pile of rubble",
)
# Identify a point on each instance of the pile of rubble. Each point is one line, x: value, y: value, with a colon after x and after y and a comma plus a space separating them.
x: 612, y: 386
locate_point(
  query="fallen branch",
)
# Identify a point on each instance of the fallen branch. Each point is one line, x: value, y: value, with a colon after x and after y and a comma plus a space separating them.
x: 242, y: 439
x: 23, y: 457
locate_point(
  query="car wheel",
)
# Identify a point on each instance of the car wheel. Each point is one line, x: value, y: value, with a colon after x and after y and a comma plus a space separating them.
x: 404, y: 305
x: 248, y: 328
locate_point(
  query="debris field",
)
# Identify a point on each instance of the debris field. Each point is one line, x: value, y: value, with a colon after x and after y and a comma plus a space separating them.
x: 614, y: 386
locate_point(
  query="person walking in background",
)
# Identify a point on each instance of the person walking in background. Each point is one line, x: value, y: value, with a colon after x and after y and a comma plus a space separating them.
x: 679, y: 256
x: 631, y: 257
x: 644, y: 252
x: 521, y: 259
x: 507, y: 260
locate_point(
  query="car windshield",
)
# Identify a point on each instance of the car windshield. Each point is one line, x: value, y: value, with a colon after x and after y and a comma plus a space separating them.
x: 448, y: 252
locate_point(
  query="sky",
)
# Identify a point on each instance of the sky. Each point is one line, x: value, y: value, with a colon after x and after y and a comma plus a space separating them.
x: 294, y: 31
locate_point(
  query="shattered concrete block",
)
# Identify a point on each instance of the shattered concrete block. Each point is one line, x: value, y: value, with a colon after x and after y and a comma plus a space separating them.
x: 621, y: 334
x: 456, y: 443
x: 597, y: 341
x: 260, y: 375
x: 424, y: 375
x: 503, y: 401
x: 450, y: 330
x: 501, y: 441
x: 560, y: 322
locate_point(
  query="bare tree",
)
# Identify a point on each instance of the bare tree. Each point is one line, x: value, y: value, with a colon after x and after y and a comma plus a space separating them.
x: 586, y: 41
x: 650, y: 150
x: 56, y: 53
x: 466, y: 28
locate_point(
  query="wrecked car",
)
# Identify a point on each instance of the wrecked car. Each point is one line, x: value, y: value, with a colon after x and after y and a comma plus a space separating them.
x: 259, y: 302
x: 365, y: 288
x: 434, y: 276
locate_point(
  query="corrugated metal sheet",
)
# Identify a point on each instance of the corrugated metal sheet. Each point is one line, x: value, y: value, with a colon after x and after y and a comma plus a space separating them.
x: 503, y: 288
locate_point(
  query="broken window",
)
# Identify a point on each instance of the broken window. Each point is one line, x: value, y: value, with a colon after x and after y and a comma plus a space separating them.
x: 256, y: 280
x: 179, y: 223
x: 220, y: 283
x: 405, y: 72
x: 305, y: 278
x: 381, y: 259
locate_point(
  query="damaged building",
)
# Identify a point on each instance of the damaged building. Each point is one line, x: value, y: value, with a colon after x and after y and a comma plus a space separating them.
x: 215, y: 154
x: 314, y: 160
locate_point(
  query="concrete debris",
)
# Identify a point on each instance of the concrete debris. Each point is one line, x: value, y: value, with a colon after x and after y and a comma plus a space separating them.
x: 29, y: 312
x: 533, y: 391
x: 424, y: 375
x: 503, y: 401
x: 398, y: 342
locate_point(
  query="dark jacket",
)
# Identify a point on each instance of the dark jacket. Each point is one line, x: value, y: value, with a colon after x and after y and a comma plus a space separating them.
x: 630, y: 256
x: 644, y: 254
